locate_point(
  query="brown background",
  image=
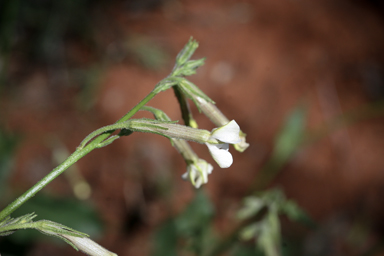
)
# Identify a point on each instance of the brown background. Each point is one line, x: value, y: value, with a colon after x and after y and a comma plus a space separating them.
x: 263, y: 59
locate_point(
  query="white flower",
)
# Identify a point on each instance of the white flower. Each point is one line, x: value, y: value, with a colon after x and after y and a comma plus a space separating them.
x: 242, y: 145
x: 197, y: 172
x: 218, y: 143
x: 219, y: 119
x: 88, y: 246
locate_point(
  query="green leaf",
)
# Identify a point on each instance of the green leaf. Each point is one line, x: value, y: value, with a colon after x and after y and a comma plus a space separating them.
x: 252, y: 205
x: 165, y: 240
x: 266, y: 230
x: 194, y: 224
x: 245, y: 250
x: 192, y: 229
x: 290, y: 136
x: 295, y: 213
x: 250, y: 231
x: 269, y: 238
x: 286, y: 144
x: 197, y: 215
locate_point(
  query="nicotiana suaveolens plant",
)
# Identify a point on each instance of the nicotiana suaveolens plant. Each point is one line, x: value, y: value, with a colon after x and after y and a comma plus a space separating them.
x: 218, y: 141
x: 263, y: 210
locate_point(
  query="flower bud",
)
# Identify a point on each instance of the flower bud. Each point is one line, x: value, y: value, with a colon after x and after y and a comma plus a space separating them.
x: 187, y: 52
x: 87, y: 246
x: 198, y: 172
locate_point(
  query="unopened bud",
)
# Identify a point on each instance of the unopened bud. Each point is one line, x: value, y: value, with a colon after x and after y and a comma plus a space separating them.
x: 187, y: 52
x: 89, y: 247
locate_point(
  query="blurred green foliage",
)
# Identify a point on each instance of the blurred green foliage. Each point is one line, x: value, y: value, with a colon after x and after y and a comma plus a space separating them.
x: 69, y: 211
x: 287, y: 142
x: 193, y: 228
x: 190, y: 231
x: 39, y: 27
x: 35, y: 33
x: 265, y: 229
x: 8, y: 144
x: 146, y: 53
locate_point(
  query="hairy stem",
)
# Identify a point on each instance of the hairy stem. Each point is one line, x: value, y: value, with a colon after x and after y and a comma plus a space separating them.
x: 78, y: 154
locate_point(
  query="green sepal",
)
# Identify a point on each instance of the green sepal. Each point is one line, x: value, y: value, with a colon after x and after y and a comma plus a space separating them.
x: 7, y: 233
x: 188, y: 68
x: 186, y: 53
x: 138, y: 125
x: 192, y: 65
x: 191, y: 91
x: 150, y: 121
x: 19, y: 220
x: 54, y: 229
x: 10, y: 225
x: 159, y: 114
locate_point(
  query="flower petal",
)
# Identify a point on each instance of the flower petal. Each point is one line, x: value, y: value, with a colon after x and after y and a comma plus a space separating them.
x: 197, y: 172
x: 205, y: 168
x: 228, y: 133
x: 185, y: 175
x: 221, y: 154
x: 198, y: 182
x: 209, y: 168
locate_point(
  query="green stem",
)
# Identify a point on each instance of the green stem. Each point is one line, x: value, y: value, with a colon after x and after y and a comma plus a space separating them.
x: 137, y: 107
x: 78, y: 154
x: 184, y: 107
x: 105, y: 129
x: 43, y: 182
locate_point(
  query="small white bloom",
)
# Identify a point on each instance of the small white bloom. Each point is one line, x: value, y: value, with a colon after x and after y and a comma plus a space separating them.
x: 218, y: 143
x: 219, y: 119
x: 242, y: 145
x: 198, y: 172
x: 228, y: 133
x: 88, y: 246
x: 221, y: 154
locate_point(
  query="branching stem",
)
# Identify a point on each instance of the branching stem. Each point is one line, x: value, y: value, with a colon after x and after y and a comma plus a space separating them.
x: 78, y: 154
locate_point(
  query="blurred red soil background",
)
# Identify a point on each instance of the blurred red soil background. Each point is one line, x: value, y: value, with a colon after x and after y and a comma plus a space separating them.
x: 264, y: 58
